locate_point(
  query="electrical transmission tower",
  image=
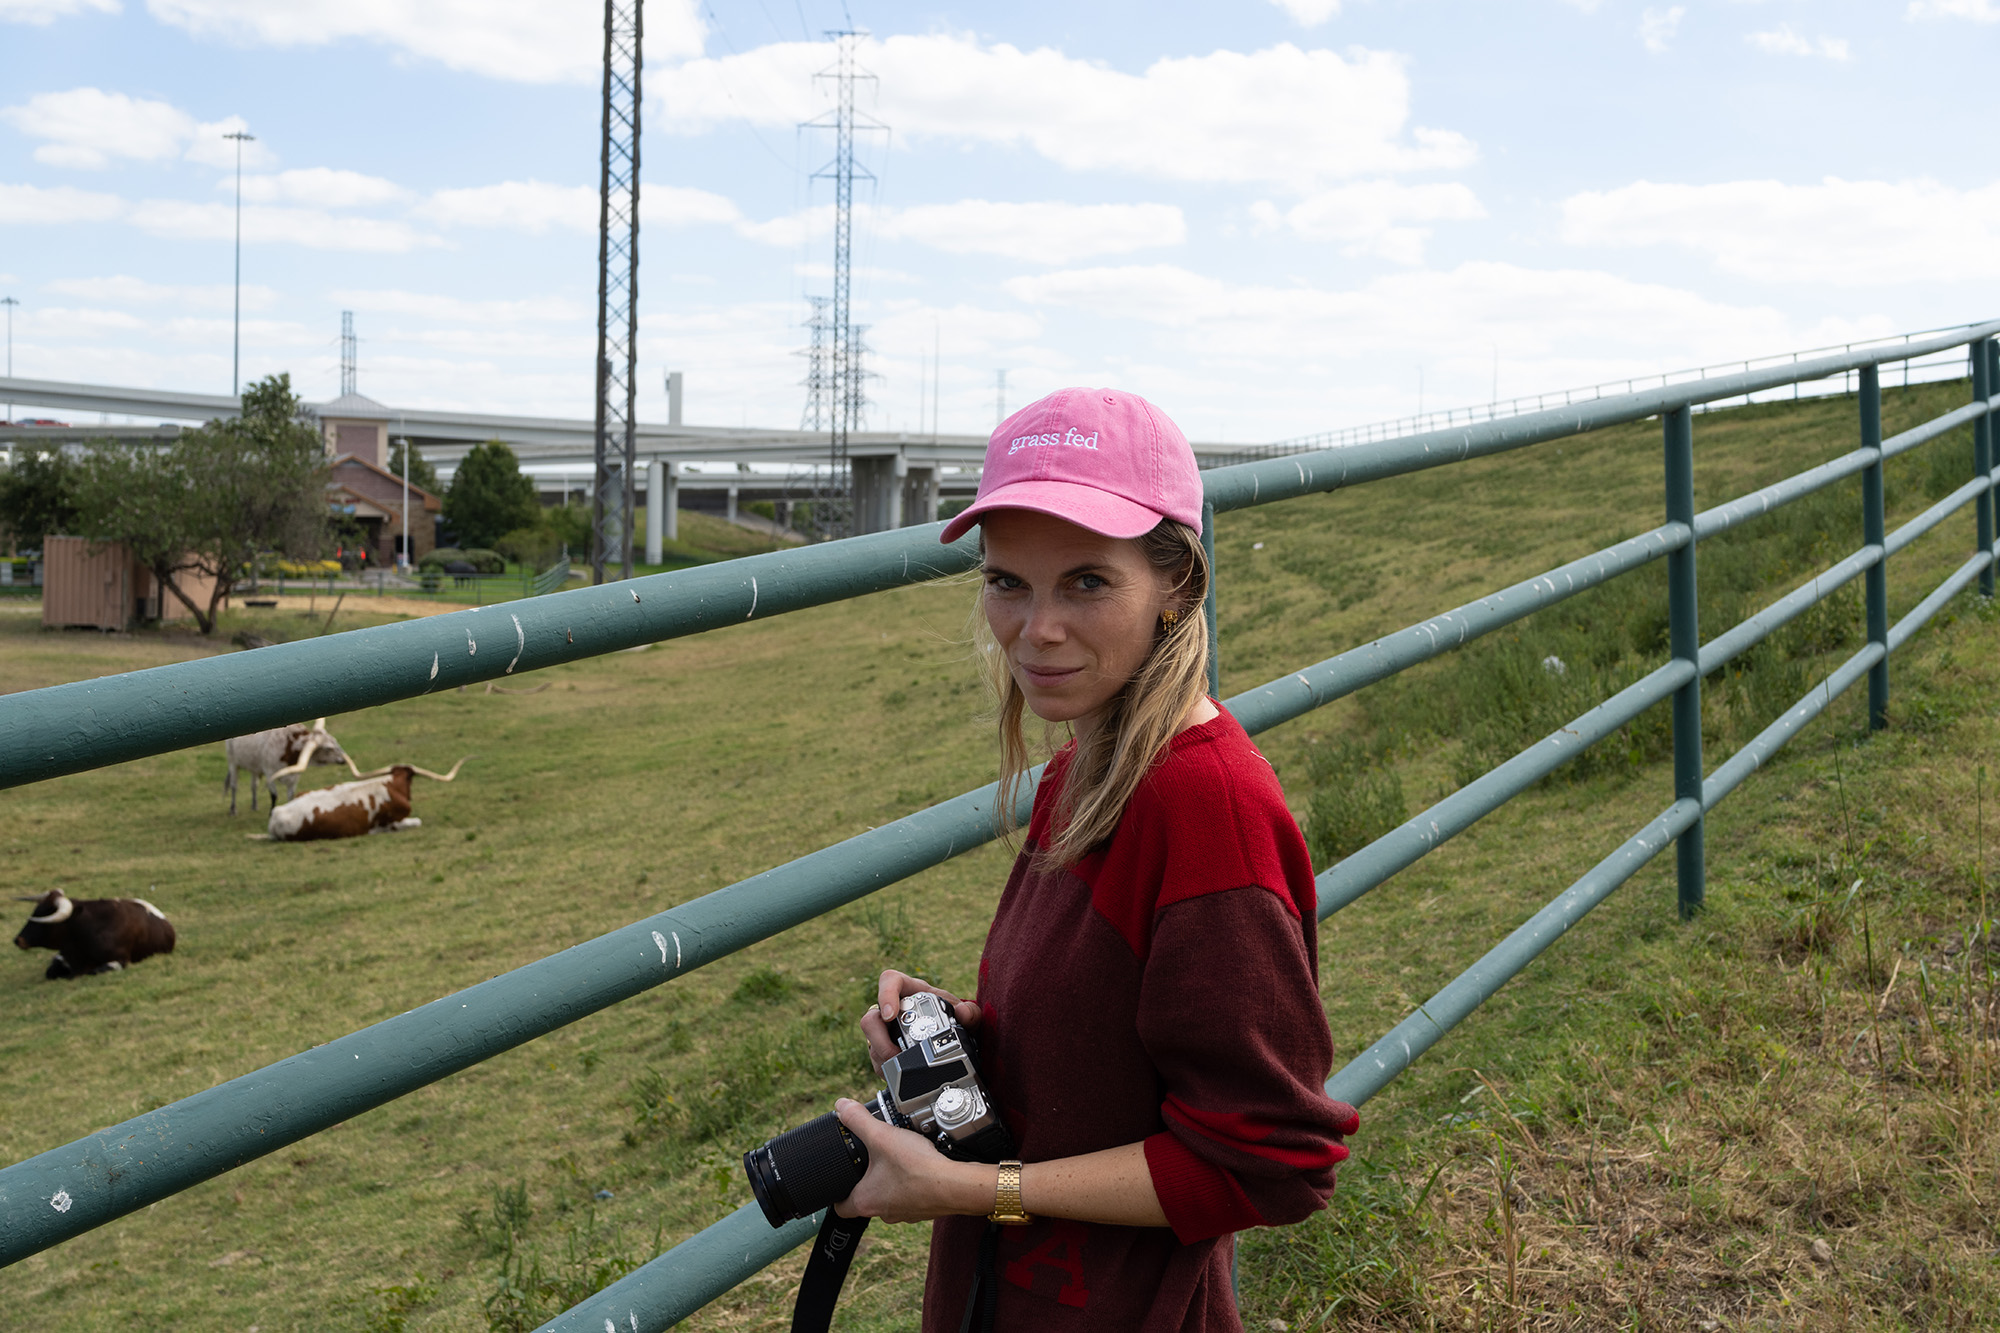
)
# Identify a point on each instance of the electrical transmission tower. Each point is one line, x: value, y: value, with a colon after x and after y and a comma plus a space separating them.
x: 843, y: 362
x: 347, y: 357
x: 617, y: 292
x: 819, y: 384
x: 855, y: 403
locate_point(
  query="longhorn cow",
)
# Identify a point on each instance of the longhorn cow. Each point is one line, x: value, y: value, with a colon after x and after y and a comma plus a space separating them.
x: 94, y: 934
x: 272, y: 754
x: 377, y: 802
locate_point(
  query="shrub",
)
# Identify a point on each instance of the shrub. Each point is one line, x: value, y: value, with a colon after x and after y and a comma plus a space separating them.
x: 536, y: 546
x: 486, y: 562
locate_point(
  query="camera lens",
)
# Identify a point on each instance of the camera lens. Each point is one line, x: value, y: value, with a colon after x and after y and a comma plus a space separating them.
x: 803, y: 1170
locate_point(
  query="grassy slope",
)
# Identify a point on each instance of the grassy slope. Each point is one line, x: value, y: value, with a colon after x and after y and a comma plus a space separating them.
x: 1670, y: 1146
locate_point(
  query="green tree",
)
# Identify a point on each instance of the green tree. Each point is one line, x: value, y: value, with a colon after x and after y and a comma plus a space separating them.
x: 37, y: 495
x: 204, y: 505
x: 421, y: 472
x: 489, y: 497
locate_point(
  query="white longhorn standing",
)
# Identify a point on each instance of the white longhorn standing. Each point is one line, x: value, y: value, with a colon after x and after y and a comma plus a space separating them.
x: 274, y: 754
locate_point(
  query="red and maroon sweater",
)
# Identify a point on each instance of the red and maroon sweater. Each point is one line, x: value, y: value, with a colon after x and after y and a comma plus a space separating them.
x: 1163, y: 990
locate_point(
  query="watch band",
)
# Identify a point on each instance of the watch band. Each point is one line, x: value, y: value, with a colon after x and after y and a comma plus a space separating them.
x: 1007, y: 1198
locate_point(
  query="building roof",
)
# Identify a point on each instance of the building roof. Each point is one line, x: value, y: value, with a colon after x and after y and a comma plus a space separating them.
x: 355, y: 406
x: 364, y: 480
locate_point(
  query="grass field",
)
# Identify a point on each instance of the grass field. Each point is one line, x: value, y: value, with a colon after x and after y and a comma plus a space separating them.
x: 1780, y: 1116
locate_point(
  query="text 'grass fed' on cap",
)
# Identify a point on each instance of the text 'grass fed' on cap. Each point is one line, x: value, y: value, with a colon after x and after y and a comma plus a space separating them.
x: 1103, y: 459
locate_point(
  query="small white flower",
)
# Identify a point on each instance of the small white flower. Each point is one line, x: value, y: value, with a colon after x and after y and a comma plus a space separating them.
x: 1554, y: 665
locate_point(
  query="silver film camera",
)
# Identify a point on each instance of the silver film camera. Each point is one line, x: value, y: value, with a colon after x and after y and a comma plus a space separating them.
x: 933, y: 1089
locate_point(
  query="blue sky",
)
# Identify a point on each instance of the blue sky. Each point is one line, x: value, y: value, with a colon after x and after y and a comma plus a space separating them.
x: 1272, y: 217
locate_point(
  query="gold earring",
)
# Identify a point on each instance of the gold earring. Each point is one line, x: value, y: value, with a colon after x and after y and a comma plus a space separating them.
x: 1168, y: 618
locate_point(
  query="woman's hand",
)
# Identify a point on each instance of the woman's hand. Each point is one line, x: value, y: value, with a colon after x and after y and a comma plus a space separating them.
x: 908, y: 1179
x: 877, y: 1023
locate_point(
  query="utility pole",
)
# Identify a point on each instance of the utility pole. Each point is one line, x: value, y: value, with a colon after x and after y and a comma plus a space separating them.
x: 10, y: 303
x: 617, y: 293
x: 347, y: 357
x: 236, y: 324
x: 999, y: 397
x: 843, y: 360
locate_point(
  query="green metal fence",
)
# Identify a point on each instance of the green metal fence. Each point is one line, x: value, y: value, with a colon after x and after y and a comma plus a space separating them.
x: 68, y: 728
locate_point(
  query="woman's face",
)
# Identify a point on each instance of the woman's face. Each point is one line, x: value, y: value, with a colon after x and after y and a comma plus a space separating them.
x: 1075, y: 612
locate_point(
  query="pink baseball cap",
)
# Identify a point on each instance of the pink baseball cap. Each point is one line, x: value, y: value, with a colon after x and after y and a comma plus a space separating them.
x: 1103, y: 459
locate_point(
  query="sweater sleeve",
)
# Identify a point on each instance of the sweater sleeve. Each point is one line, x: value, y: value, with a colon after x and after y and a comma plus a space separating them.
x: 1229, y: 1012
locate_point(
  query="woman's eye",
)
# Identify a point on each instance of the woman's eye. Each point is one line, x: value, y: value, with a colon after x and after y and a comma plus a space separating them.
x: 1002, y: 582
x: 1091, y: 582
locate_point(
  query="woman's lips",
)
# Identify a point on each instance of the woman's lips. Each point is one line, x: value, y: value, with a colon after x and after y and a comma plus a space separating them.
x: 1049, y: 678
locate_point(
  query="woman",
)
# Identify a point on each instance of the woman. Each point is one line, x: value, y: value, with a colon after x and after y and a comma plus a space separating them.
x: 1148, y: 1004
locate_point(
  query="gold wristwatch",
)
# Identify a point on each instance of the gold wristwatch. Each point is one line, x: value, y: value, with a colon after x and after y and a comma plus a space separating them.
x: 1007, y: 1198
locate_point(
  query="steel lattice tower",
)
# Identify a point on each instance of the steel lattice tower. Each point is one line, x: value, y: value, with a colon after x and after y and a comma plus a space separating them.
x: 347, y: 357
x: 818, y: 411
x: 842, y: 357
x: 617, y: 291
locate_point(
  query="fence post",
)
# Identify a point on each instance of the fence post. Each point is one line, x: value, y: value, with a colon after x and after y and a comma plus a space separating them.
x: 1208, y: 602
x: 1982, y: 455
x: 1684, y: 636
x: 1873, y: 528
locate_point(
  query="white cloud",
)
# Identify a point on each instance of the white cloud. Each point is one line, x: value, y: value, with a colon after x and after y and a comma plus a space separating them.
x: 1837, y: 233
x: 124, y: 290
x: 88, y: 128
x: 528, y: 41
x: 537, y: 207
x: 264, y: 224
x: 530, y: 206
x: 1281, y: 116
x: 43, y: 12
x: 1373, y: 217
x: 1784, y: 41
x: 1351, y: 355
x: 435, y: 306
x: 59, y: 203
x: 1043, y: 233
x: 1658, y: 26
x: 1309, y: 13
x: 1979, y: 11
x: 325, y: 187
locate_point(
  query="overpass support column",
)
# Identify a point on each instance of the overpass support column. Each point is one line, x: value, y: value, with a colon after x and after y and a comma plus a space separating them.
x: 656, y: 509
x: 920, y: 495
x: 732, y: 504
x: 877, y: 493
x: 900, y: 473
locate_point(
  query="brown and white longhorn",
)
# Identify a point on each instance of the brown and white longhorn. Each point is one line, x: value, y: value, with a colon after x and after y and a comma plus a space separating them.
x: 377, y: 802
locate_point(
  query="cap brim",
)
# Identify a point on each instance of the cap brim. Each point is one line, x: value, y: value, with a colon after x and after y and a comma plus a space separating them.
x: 1100, y: 511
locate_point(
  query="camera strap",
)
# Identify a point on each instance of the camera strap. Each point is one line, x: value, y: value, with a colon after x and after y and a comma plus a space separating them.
x: 833, y: 1254
x: 985, y: 1293
x: 826, y: 1272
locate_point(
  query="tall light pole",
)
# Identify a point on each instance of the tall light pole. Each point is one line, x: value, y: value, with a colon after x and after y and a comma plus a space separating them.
x: 236, y: 328
x: 10, y: 303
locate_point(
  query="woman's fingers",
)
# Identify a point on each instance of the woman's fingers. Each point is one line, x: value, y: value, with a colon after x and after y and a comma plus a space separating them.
x: 894, y: 985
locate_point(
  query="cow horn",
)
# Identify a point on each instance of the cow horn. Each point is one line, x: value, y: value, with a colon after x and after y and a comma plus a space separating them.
x: 312, y: 744
x: 61, y: 914
x: 440, y: 777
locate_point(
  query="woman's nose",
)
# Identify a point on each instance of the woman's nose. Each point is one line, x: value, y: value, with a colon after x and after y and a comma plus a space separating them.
x: 1044, y: 624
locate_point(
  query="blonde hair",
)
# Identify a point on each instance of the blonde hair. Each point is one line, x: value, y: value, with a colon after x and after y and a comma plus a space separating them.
x: 1114, y: 758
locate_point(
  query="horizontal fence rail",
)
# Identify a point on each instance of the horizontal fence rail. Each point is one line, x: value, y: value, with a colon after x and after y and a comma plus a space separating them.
x: 69, y: 728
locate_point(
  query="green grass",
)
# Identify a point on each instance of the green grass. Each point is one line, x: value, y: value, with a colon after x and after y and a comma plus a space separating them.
x: 1654, y: 1122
